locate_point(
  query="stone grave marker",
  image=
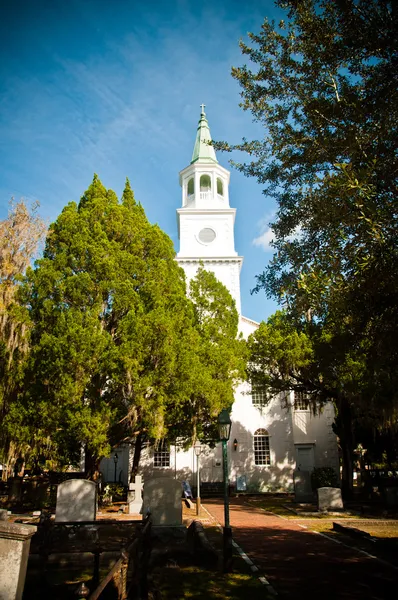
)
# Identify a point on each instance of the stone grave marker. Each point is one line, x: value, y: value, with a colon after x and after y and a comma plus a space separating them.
x: 329, y: 499
x: 134, y: 498
x: 302, y: 486
x: 162, y: 498
x: 241, y: 483
x: 14, y: 552
x: 76, y: 501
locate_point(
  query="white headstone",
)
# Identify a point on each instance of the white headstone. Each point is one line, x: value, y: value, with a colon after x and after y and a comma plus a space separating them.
x: 135, y: 496
x: 329, y: 499
x: 14, y: 552
x: 76, y: 500
x: 162, y: 498
x: 302, y: 486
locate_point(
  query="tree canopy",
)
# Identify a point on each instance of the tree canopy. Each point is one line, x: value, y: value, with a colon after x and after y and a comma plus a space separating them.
x: 323, y: 84
x: 21, y: 234
x: 119, y: 352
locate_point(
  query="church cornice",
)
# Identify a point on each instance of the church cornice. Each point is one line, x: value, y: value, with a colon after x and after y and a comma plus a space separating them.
x: 224, y: 260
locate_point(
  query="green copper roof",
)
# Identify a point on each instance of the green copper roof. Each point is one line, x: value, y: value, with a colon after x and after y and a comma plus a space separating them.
x: 202, y: 152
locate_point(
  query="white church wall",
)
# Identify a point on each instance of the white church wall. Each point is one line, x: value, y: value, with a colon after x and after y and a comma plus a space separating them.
x: 317, y: 430
x: 220, y: 222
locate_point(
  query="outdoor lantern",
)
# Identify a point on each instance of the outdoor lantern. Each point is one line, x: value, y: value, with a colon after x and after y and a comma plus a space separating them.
x: 197, y: 447
x: 235, y: 444
x: 224, y: 425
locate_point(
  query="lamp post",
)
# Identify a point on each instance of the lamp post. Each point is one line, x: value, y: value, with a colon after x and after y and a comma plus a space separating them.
x: 224, y: 430
x: 115, y: 459
x: 198, y: 449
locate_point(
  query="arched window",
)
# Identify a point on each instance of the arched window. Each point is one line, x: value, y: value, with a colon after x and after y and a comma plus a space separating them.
x: 262, y: 455
x: 220, y: 187
x: 191, y: 187
x: 161, y: 456
x: 205, y: 183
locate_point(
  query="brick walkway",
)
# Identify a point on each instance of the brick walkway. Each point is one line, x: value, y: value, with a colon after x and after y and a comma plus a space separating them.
x: 301, y: 564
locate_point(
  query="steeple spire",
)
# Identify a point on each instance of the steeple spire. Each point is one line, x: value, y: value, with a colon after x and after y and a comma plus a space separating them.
x: 203, y: 152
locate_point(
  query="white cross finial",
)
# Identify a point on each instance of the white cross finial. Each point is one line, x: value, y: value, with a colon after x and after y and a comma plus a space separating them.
x: 202, y: 109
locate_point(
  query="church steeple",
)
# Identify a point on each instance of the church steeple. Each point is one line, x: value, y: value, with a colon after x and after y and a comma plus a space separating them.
x: 206, y: 220
x: 203, y: 152
x: 204, y: 181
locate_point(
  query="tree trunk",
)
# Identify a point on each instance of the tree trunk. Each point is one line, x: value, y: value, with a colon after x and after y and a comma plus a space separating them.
x: 91, y: 465
x: 346, y: 436
x: 137, y: 455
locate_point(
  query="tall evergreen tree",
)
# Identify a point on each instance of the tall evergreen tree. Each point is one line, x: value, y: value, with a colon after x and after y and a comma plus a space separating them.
x: 119, y: 351
x: 109, y: 310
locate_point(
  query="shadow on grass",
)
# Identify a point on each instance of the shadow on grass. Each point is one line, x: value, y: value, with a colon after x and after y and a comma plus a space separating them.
x: 174, y: 582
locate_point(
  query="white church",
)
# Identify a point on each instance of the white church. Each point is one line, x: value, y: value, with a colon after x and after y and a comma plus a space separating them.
x: 268, y: 441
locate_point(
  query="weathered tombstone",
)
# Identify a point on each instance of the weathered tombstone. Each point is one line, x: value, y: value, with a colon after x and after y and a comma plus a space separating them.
x: 241, y: 483
x: 162, y: 498
x: 14, y: 553
x: 302, y: 486
x: 329, y: 499
x: 134, y: 498
x: 76, y: 501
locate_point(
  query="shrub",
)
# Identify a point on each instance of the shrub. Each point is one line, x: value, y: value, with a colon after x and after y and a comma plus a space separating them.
x: 324, y: 477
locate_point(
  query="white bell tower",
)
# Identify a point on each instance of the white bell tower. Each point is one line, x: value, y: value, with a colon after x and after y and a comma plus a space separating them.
x: 206, y: 221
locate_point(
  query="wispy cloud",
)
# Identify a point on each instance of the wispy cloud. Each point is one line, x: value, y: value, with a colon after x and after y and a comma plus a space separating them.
x: 266, y: 237
x: 265, y: 240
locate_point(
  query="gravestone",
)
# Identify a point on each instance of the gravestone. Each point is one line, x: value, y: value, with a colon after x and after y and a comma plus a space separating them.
x: 76, y: 501
x: 302, y: 486
x: 241, y: 483
x: 134, y: 498
x: 162, y: 498
x: 329, y: 499
x: 14, y: 552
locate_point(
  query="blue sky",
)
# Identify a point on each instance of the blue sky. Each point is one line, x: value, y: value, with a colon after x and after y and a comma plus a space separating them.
x: 114, y: 87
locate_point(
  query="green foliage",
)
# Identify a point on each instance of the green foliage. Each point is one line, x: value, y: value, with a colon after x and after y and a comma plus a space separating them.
x: 118, y: 349
x: 109, y: 310
x: 113, y: 492
x: 323, y: 86
x: 324, y: 477
x: 220, y: 357
x: 21, y: 234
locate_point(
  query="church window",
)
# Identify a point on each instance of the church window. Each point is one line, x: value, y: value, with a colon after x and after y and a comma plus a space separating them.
x: 220, y: 187
x: 262, y: 454
x: 191, y: 187
x: 161, y: 456
x: 259, y: 397
x: 205, y: 183
x: 207, y: 235
x: 301, y: 401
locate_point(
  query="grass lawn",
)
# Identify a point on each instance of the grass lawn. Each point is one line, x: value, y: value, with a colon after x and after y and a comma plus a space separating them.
x: 180, y: 579
x: 197, y: 582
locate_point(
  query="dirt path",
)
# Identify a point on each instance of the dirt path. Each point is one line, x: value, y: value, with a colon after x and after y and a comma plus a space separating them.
x: 301, y: 564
